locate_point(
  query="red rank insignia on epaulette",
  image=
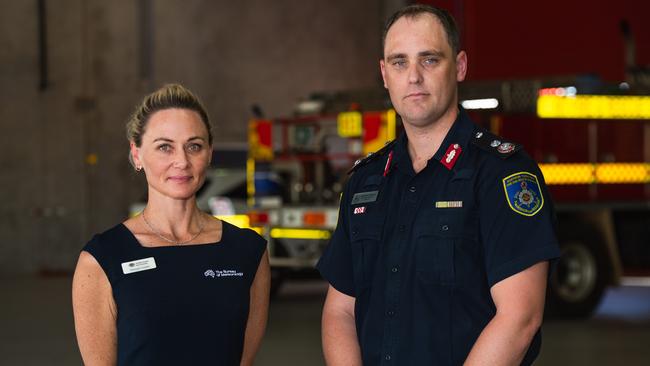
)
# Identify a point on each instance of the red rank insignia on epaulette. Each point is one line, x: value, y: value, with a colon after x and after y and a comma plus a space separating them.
x: 388, y: 161
x: 450, y: 157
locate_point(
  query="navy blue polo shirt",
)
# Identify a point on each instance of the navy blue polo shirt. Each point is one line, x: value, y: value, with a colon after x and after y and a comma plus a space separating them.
x: 420, y: 252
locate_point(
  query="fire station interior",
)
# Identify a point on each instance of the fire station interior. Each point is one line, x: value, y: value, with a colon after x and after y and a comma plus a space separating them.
x: 296, y: 97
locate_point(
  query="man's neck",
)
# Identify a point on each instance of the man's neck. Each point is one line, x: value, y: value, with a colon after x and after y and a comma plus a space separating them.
x: 424, y: 141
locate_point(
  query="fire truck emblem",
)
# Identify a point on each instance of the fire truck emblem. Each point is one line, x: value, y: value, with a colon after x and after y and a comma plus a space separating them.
x: 523, y: 193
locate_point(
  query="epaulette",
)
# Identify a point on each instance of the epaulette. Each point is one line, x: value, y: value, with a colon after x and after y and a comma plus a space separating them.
x: 494, y: 144
x: 372, y: 156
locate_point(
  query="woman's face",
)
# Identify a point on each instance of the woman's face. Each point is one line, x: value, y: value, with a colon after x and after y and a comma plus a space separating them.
x: 175, y: 153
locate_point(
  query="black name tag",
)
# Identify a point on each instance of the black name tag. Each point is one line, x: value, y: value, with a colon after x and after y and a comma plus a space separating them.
x: 364, y: 197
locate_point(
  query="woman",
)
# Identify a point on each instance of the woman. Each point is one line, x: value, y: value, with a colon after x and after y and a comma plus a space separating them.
x: 173, y: 285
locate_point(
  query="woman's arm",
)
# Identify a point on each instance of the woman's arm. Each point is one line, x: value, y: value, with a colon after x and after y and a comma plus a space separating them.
x: 258, y: 311
x: 95, y: 313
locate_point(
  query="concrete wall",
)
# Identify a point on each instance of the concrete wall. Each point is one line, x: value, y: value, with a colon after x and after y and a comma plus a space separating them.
x: 63, y: 168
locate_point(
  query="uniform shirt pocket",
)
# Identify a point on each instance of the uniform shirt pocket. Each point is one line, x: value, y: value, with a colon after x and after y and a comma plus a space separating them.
x: 436, y: 250
x: 365, y: 239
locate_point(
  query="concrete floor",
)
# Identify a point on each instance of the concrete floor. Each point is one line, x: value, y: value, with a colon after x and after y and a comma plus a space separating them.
x: 36, y: 327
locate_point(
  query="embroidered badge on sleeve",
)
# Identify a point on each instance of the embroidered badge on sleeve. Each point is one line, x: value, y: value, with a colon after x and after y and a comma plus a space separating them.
x: 523, y: 193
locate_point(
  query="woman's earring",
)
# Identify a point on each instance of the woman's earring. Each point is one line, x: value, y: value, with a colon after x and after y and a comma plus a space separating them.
x: 138, y: 168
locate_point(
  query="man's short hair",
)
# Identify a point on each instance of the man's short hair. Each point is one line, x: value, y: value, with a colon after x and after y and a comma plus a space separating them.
x: 413, y: 11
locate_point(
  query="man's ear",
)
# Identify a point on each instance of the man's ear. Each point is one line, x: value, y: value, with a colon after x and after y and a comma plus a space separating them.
x: 382, y: 68
x: 461, y: 66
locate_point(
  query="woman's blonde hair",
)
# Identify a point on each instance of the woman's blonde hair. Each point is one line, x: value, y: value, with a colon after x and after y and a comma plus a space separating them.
x: 168, y: 97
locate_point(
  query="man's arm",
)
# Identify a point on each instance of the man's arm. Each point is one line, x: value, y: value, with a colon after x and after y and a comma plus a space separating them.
x: 519, y: 300
x: 340, y: 343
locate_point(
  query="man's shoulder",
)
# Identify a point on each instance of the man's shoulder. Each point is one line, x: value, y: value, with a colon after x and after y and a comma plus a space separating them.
x: 499, y: 156
x: 372, y: 158
x: 494, y: 145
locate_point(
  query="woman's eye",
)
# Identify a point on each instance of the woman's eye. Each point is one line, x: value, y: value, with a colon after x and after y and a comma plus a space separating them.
x: 195, y: 147
x: 164, y: 148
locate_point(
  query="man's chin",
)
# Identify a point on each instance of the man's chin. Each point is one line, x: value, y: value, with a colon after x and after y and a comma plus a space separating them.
x: 418, y: 119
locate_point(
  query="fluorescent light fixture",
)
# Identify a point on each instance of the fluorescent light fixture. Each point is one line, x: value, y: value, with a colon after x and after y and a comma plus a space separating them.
x: 488, y: 103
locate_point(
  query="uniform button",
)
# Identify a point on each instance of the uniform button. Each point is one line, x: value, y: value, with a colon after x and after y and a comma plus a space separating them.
x: 412, y: 189
x: 402, y: 228
x: 445, y: 227
x: 394, y: 269
x: 387, y: 357
x: 391, y: 313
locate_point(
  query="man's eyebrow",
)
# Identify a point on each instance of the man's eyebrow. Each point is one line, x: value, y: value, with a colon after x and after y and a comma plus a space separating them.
x: 394, y: 56
x: 426, y: 53
x: 431, y: 53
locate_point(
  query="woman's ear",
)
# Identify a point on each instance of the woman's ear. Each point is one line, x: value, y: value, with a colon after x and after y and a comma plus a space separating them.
x: 135, y: 156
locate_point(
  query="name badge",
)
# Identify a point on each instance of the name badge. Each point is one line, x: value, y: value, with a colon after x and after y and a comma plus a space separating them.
x: 364, y: 197
x: 139, y: 265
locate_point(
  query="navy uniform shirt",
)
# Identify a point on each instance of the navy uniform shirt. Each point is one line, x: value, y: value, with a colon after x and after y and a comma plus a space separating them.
x: 420, y: 252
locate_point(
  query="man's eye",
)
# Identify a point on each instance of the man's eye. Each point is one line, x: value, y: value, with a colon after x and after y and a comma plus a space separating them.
x: 399, y: 63
x: 430, y: 61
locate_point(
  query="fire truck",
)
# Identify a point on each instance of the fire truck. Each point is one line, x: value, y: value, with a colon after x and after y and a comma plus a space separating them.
x: 310, y: 154
x: 591, y: 140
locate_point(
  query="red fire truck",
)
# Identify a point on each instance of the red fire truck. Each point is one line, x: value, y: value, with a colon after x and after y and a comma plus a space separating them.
x: 592, y: 142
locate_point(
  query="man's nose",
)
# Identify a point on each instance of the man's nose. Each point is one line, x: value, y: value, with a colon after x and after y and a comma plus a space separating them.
x: 414, y: 74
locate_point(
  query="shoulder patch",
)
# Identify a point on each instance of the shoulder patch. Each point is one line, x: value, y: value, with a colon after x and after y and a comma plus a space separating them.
x: 494, y: 144
x: 523, y: 193
x: 372, y: 156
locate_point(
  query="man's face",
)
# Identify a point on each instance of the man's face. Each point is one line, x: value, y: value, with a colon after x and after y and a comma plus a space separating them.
x: 420, y: 71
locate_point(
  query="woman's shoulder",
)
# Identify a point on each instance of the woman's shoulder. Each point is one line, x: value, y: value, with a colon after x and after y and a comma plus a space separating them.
x: 243, y: 236
x: 241, y: 232
x: 107, y: 238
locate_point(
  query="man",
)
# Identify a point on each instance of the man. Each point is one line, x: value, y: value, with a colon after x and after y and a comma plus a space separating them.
x: 441, y: 252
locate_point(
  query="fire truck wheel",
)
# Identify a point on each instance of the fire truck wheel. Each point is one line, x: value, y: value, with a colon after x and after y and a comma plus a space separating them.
x: 577, y: 284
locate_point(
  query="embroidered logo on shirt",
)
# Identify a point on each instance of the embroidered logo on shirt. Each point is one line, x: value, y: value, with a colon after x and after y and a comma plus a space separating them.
x: 359, y: 210
x: 523, y: 193
x: 223, y: 273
